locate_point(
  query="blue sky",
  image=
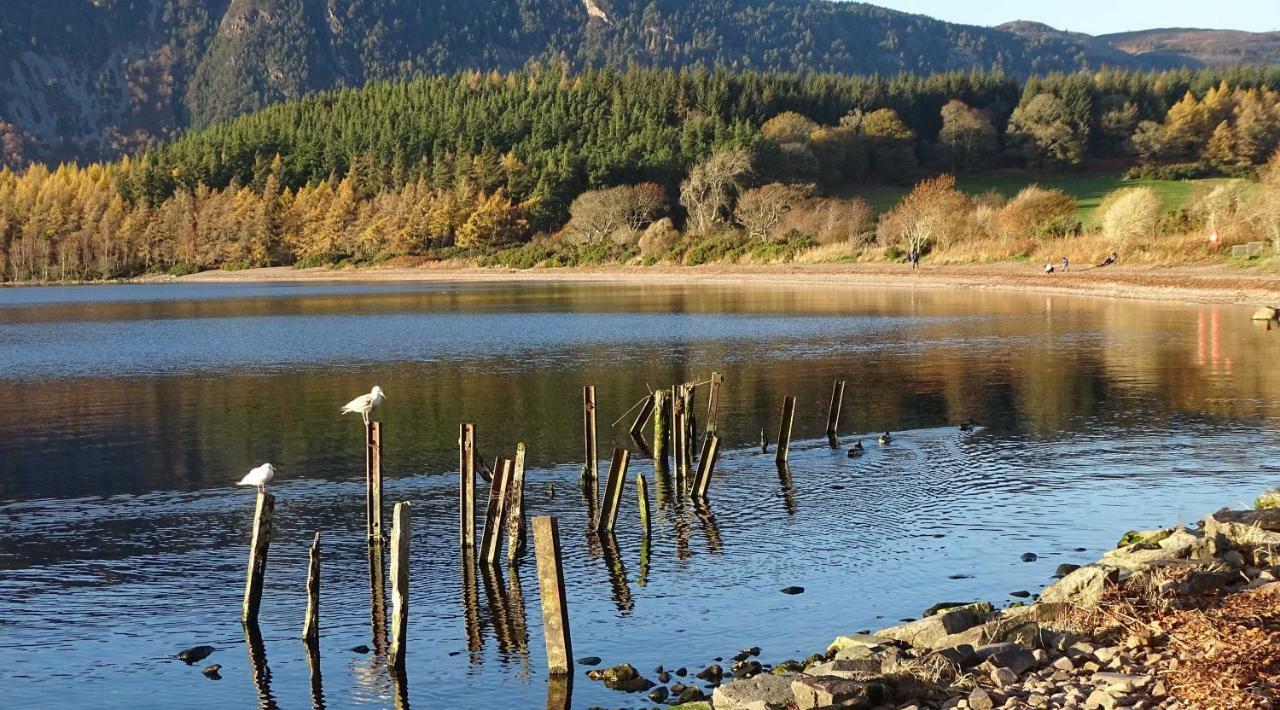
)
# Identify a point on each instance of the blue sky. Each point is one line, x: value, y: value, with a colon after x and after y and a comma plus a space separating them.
x: 1102, y: 16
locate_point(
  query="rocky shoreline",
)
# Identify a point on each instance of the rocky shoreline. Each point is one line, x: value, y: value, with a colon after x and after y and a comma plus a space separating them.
x: 1171, y: 618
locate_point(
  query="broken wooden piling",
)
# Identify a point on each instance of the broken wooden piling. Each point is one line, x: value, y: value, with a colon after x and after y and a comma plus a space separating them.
x: 637, y: 427
x: 661, y: 418
x: 515, y: 507
x: 555, y: 613
x: 399, y: 583
x: 833, y: 411
x: 613, y: 489
x: 311, y: 625
x: 591, y: 466
x: 706, y: 465
x: 784, y: 429
x: 373, y: 479
x: 466, y: 486
x: 261, y: 541
x: 713, y: 401
x: 642, y: 501
x: 491, y: 540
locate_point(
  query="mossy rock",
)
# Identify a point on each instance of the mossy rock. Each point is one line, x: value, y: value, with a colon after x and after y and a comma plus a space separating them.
x: 1143, y: 537
x: 1270, y: 499
x: 691, y: 706
x: 943, y: 606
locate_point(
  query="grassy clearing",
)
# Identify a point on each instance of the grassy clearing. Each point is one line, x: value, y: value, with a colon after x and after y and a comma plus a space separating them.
x: 1087, y: 188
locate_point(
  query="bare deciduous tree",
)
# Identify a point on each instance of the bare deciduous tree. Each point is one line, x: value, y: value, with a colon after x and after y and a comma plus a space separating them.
x: 710, y: 188
x: 761, y: 208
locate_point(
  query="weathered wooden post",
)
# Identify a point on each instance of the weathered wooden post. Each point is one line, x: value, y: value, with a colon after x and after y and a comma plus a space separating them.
x: 764, y: 441
x: 661, y: 415
x: 311, y: 626
x: 515, y: 507
x: 706, y: 465
x: 258, y: 557
x: 591, y: 467
x: 713, y: 401
x: 399, y: 583
x: 466, y: 485
x: 555, y: 614
x: 642, y: 500
x: 637, y: 427
x: 373, y: 479
x: 691, y: 430
x: 833, y: 412
x: 784, y: 429
x: 613, y: 489
x: 491, y: 540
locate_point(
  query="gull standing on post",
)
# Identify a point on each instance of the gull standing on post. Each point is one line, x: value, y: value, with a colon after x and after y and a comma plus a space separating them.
x: 365, y: 403
x: 259, y: 477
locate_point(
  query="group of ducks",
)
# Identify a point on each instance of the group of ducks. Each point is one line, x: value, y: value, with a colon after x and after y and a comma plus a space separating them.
x: 260, y: 476
x: 856, y: 450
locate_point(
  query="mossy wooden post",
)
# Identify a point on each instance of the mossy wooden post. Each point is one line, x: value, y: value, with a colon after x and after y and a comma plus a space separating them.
x: 678, y: 432
x: 311, y: 625
x: 613, y: 490
x: 713, y: 401
x: 642, y: 500
x: 491, y: 540
x: 706, y: 465
x: 661, y: 417
x: 833, y: 411
x: 784, y: 429
x: 399, y: 583
x: 637, y: 427
x: 373, y: 479
x: 466, y: 486
x: 590, y: 468
x: 515, y: 507
x: 258, y: 556
x: 555, y: 613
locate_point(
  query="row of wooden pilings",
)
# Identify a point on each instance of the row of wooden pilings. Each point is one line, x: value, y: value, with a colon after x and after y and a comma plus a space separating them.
x: 674, y: 425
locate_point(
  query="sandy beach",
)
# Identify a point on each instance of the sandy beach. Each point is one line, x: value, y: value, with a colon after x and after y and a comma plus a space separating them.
x: 1197, y: 284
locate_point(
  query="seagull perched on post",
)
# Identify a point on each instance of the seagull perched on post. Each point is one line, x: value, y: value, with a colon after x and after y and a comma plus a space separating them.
x: 365, y: 403
x: 259, y: 477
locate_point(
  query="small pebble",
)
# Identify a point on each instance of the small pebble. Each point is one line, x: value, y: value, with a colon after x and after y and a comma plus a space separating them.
x: 1029, y: 557
x: 211, y: 672
x: 589, y: 661
x: 793, y: 590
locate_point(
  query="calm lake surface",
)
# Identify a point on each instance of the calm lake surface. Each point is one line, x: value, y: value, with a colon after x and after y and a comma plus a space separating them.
x: 131, y: 410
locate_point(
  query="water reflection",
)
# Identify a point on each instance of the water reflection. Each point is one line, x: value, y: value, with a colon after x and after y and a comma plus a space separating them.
x: 788, y: 487
x: 259, y: 669
x: 313, y: 670
x: 617, y: 572
x: 560, y: 692
x: 471, y: 607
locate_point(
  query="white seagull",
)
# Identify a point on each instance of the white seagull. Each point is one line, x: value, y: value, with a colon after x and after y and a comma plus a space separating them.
x: 259, y: 477
x: 365, y: 403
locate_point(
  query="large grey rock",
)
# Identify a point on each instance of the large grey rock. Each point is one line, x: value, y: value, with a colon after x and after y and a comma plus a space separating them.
x: 824, y: 692
x: 931, y: 632
x: 856, y: 668
x: 1246, y: 529
x: 856, y: 641
x: 763, y: 692
x: 1082, y: 588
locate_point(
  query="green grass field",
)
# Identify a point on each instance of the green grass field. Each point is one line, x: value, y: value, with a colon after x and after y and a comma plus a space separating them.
x: 1087, y: 188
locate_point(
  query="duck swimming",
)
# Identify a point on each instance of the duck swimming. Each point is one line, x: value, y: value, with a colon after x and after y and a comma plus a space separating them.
x: 968, y: 424
x: 885, y: 438
x: 855, y: 450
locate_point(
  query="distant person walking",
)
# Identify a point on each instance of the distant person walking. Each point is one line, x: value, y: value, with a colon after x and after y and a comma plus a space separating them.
x: 914, y: 257
x: 1065, y: 264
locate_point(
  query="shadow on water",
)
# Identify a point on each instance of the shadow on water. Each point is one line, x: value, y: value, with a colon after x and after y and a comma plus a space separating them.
x: 258, y: 665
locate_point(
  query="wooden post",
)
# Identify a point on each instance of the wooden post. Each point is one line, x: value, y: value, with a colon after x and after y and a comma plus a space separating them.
x: 642, y: 499
x: 491, y: 541
x: 661, y: 415
x: 706, y: 464
x: 613, y: 489
x: 833, y: 412
x: 591, y: 469
x: 678, y: 432
x: 399, y: 583
x: 373, y: 479
x: 690, y: 436
x: 258, y: 557
x: 637, y: 427
x: 515, y: 507
x: 713, y: 401
x: 555, y: 615
x: 784, y: 429
x: 311, y: 626
x: 764, y: 441
x: 466, y: 485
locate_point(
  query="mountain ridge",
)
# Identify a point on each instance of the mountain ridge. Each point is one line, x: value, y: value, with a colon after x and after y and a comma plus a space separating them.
x: 91, y: 79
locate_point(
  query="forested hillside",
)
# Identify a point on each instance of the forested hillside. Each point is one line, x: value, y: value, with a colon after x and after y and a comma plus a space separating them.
x: 474, y: 163
x: 90, y: 79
